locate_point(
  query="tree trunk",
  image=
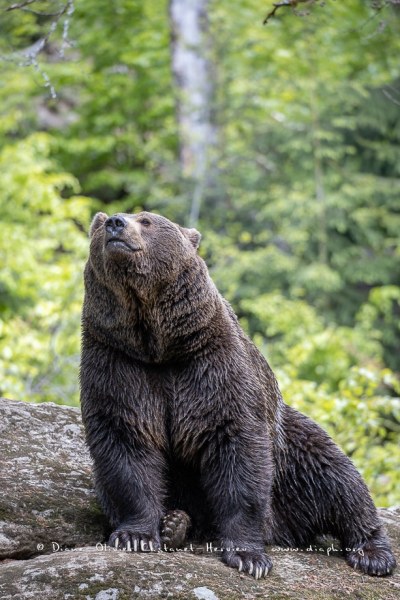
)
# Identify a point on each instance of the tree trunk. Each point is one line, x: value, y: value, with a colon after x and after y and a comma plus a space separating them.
x: 193, y: 72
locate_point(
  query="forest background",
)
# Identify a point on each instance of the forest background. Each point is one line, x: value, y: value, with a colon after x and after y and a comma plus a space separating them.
x: 279, y: 142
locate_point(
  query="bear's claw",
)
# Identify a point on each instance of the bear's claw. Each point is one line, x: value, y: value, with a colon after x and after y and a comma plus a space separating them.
x: 374, y: 557
x: 255, y: 563
x: 127, y: 538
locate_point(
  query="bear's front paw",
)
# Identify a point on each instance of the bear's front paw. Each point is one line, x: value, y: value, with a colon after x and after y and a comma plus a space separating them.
x: 130, y: 538
x: 374, y: 557
x: 253, y: 562
x: 174, y: 526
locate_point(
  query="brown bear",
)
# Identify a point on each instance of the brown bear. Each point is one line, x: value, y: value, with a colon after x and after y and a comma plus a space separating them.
x: 182, y: 412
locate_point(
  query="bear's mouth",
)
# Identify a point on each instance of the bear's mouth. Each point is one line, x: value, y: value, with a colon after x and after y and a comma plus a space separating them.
x: 123, y: 245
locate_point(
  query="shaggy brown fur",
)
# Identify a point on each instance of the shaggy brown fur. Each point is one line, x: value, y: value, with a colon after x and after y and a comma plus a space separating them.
x: 182, y: 412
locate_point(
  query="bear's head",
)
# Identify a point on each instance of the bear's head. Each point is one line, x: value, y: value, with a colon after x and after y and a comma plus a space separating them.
x: 143, y: 248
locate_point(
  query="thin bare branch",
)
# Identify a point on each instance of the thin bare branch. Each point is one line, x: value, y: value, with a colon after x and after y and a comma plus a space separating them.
x: 30, y: 55
x: 276, y: 7
x: 281, y: 4
x: 20, y: 5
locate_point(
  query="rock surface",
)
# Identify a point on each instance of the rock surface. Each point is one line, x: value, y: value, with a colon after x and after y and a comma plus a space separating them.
x: 45, y: 480
x: 50, y: 524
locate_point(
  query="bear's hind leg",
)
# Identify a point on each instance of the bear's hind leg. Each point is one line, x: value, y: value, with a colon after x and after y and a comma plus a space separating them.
x: 317, y: 490
x: 174, y: 528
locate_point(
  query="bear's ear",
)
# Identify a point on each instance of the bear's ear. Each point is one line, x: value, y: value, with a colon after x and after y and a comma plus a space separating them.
x: 98, y: 220
x: 193, y: 236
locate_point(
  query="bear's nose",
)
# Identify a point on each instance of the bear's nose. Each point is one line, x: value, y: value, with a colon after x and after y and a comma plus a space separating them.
x: 115, y: 224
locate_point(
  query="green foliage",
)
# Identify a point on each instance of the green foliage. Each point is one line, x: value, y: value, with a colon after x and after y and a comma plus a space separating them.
x: 363, y: 417
x: 334, y: 375
x: 326, y: 112
x: 123, y: 143
x: 42, y: 248
x: 301, y: 230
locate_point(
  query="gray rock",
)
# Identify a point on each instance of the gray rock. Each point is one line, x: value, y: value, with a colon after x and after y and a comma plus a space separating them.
x: 50, y: 521
x: 45, y: 480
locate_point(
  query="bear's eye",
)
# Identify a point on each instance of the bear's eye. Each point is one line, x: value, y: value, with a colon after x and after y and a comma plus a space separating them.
x: 145, y: 222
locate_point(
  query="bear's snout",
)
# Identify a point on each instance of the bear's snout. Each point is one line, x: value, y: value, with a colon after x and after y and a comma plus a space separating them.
x: 121, y: 233
x: 115, y: 225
